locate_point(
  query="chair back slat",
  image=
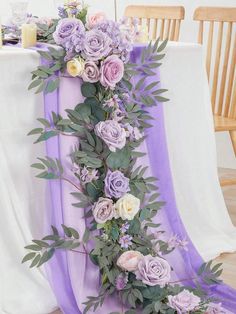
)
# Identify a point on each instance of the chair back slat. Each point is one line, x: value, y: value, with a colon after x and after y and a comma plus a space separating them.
x: 217, y: 28
x: 162, y: 21
x: 217, y: 64
x: 209, y: 49
x: 225, y: 69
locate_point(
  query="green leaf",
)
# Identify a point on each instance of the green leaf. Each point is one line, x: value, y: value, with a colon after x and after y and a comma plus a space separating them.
x: 45, y: 122
x: 86, y: 235
x: 38, y: 166
x: 35, y: 131
x: 88, y: 89
x: 33, y: 247
x: 46, y: 135
x: 119, y: 159
x: 41, y: 243
x: 47, y: 255
x: 52, y: 85
x: 162, y: 45
x: 35, y: 83
x: 28, y: 257
x: 35, y: 261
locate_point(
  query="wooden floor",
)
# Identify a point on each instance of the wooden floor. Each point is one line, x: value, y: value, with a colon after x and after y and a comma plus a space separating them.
x: 228, y: 260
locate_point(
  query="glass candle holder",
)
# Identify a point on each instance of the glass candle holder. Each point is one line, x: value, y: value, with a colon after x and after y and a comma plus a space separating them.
x: 19, y: 13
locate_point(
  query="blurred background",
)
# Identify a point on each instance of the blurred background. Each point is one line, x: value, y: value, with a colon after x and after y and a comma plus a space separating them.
x: 188, y: 33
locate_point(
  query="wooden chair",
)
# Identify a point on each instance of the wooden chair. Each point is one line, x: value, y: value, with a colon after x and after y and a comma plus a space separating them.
x: 220, y: 65
x: 169, y: 18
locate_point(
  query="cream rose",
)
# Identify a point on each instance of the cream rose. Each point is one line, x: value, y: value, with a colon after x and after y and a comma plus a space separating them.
x: 127, y: 207
x: 75, y: 67
x: 129, y: 260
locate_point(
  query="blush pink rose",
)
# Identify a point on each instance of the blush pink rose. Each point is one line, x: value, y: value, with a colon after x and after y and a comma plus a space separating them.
x: 95, y: 19
x: 112, y: 71
x: 129, y: 260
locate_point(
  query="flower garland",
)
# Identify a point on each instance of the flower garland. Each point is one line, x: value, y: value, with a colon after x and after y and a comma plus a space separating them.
x: 120, y: 200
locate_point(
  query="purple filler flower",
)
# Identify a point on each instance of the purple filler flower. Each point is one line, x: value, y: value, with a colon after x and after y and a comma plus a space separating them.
x: 125, y: 241
x: 116, y: 184
x: 121, y: 281
x: 184, y: 302
x: 112, y: 71
x: 124, y: 227
x: 66, y: 28
x: 88, y: 175
x: 153, y: 271
x: 97, y: 45
x: 112, y: 134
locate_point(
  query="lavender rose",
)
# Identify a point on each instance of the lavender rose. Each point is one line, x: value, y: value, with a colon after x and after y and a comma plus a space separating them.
x: 97, y: 45
x: 184, y: 302
x: 112, y: 71
x: 66, y: 28
x: 91, y: 72
x: 103, y: 210
x: 116, y: 184
x: 215, y: 309
x: 153, y: 271
x: 112, y: 134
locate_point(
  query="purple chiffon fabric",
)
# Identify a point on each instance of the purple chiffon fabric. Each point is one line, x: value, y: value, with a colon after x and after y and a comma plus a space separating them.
x: 72, y: 276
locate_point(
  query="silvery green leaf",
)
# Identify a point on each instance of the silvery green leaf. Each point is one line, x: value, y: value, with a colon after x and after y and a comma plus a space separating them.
x: 33, y: 247
x: 28, y: 257
x: 162, y: 45
x: 38, y: 166
x: 35, y: 131
x: 35, y: 261
x: 45, y: 122
x: 52, y: 85
x: 46, y: 135
x: 47, y: 255
x: 35, y: 83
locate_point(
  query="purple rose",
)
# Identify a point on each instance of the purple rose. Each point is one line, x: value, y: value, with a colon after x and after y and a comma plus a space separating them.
x: 153, y: 271
x: 91, y: 72
x: 103, y: 210
x: 112, y: 71
x: 116, y: 184
x: 215, y: 309
x: 184, y: 302
x: 66, y: 28
x: 112, y: 134
x: 97, y: 45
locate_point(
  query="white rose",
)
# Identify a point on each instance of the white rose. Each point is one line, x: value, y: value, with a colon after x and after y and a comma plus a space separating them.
x: 127, y: 206
x: 75, y: 67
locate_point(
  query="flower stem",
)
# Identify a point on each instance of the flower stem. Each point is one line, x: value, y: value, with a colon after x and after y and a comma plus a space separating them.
x: 72, y: 183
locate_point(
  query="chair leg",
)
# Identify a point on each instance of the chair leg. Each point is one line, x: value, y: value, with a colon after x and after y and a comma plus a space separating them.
x: 233, y: 139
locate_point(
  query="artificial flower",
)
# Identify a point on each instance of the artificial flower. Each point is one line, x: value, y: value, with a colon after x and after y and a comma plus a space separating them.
x: 184, y: 302
x: 116, y: 184
x: 112, y: 134
x: 127, y: 207
x: 103, y: 210
x: 153, y: 270
x: 75, y: 67
x: 112, y: 71
x: 129, y: 260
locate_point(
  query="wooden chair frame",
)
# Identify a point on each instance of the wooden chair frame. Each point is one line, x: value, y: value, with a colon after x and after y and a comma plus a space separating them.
x: 170, y: 17
x: 223, y: 93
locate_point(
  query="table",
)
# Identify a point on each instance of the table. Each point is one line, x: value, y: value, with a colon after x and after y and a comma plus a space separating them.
x: 192, y: 156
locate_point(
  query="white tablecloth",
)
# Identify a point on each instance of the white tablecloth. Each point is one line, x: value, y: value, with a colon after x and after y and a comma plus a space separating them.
x: 191, y: 145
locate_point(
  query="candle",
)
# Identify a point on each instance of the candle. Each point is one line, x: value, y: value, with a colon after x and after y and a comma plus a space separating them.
x: 28, y: 35
x: 0, y: 34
